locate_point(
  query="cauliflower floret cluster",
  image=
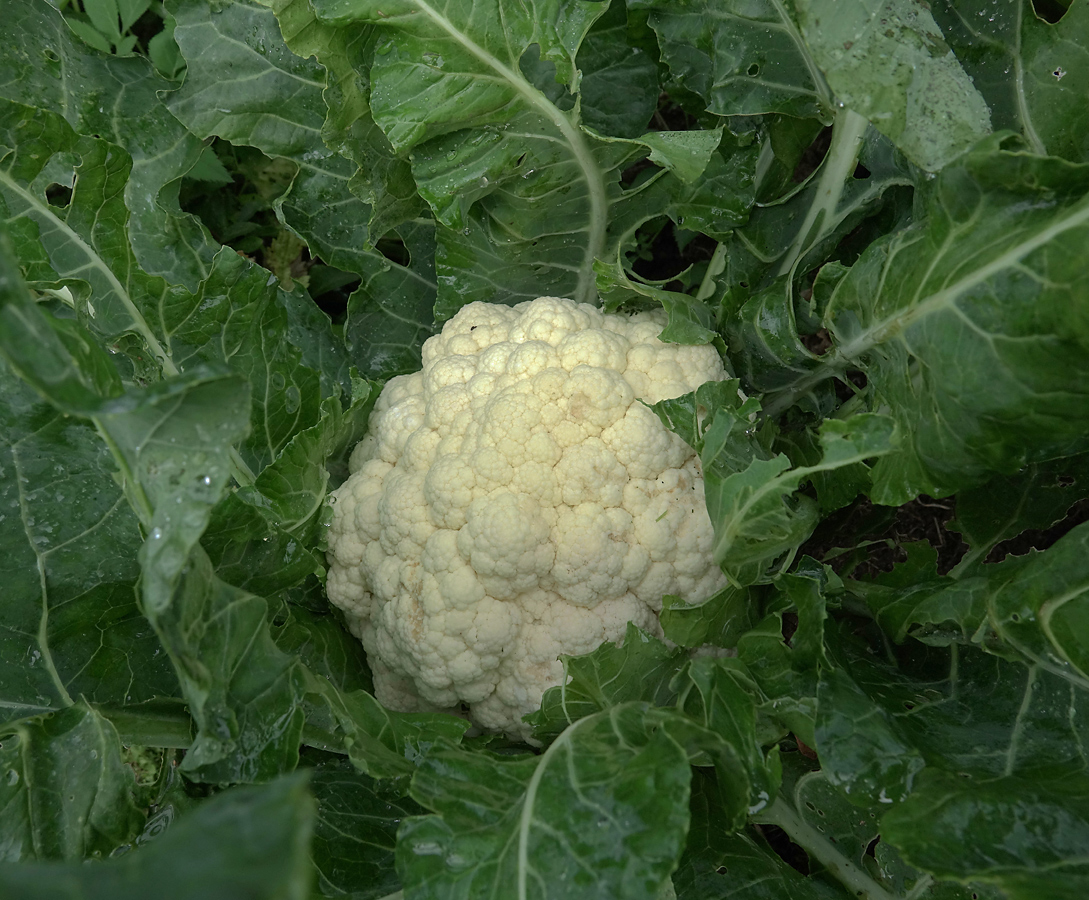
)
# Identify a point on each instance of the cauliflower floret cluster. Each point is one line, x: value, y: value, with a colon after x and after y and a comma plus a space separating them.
x: 515, y: 501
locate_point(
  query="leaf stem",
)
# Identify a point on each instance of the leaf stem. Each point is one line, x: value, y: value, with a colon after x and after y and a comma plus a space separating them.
x: 714, y: 269
x: 847, y: 132
x: 820, y: 848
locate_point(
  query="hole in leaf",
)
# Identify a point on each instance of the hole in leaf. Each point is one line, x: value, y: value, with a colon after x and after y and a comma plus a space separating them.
x: 1051, y: 10
x: 908, y: 705
x: 58, y: 195
x: 1015, y: 618
x: 813, y: 156
x: 871, y: 847
x: 861, y: 171
x: 1041, y: 538
x: 1065, y: 481
x: 753, y: 70
x: 789, y: 852
x: 721, y: 870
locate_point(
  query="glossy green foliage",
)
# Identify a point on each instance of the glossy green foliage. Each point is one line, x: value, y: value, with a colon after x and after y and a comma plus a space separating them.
x: 877, y: 211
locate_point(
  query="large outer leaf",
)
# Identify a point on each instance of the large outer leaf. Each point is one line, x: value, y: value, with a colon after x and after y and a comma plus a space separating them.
x: 602, y: 812
x: 886, y: 60
x: 971, y: 325
x: 1026, y: 836
x: 43, y: 65
x: 243, y: 84
x: 997, y: 768
x: 1036, y: 497
x: 439, y: 72
x: 1034, y: 74
x: 173, y: 443
x: 640, y: 669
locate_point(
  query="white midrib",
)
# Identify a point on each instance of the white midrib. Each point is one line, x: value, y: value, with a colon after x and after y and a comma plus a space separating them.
x: 139, y: 323
x: 1022, y: 102
x: 881, y: 331
x: 525, y: 821
x: 591, y: 172
x: 43, y: 620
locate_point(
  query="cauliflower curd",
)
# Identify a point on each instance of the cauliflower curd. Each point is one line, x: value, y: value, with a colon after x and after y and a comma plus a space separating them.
x: 515, y: 501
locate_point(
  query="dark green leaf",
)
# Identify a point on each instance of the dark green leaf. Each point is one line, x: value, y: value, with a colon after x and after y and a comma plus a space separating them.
x: 249, y: 842
x: 962, y: 323
x: 67, y: 794
x: 719, y: 620
x: 1032, y: 72
x: 1036, y: 497
x: 355, y: 832
x: 740, y: 58
x: 1023, y: 835
x: 619, y: 88
x: 720, y: 865
x: 603, y: 812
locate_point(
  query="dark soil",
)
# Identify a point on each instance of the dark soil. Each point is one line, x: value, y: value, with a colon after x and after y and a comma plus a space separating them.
x: 865, y: 540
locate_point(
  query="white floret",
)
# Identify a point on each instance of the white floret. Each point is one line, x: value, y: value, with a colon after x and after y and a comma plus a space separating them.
x: 516, y: 501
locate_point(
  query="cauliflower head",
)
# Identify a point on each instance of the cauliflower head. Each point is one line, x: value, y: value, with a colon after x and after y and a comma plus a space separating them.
x: 515, y: 501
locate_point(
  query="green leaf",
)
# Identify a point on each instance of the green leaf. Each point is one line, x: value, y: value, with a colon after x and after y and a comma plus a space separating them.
x: 641, y: 668
x: 72, y: 625
x: 67, y: 794
x: 382, y: 743
x: 936, y: 316
x: 886, y: 60
x: 1032, y: 72
x: 130, y: 11
x: 719, y: 620
x: 242, y: 83
x: 390, y: 315
x: 231, y: 318
x: 272, y: 99
x: 117, y: 99
x: 103, y: 15
x: 717, y: 694
x: 618, y: 92
x: 754, y: 520
x: 1036, y: 497
x: 355, y: 832
x: 860, y: 748
x: 719, y: 863
x: 739, y: 58
x: 1023, y: 835
x: 802, y: 229
x: 689, y: 321
x: 603, y: 812
x: 89, y: 34
x: 250, y: 841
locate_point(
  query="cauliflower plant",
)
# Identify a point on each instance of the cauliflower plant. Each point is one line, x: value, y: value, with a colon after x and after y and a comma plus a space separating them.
x: 515, y: 501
